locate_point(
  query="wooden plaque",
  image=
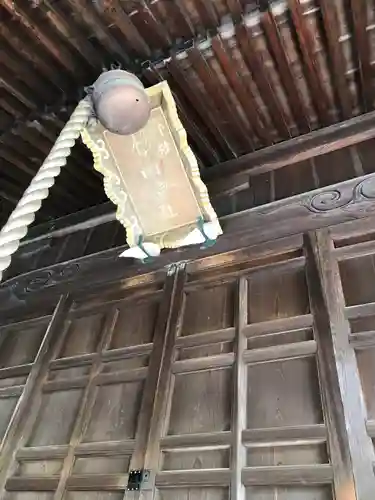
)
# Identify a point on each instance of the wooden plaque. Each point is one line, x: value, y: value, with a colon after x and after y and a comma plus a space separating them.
x: 152, y: 176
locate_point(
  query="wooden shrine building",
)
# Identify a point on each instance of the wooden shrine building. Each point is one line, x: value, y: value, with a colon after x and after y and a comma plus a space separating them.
x: 244, y: 371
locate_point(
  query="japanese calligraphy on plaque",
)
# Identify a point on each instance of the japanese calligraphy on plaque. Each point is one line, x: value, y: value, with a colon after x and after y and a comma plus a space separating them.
x: 153, y: 177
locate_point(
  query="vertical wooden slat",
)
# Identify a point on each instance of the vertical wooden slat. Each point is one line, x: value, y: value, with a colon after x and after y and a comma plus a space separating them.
x: 283, y: 64
x: 207, y: 13
x: 350, y: 447
x: 193, y: 94
x: 235, y: 8
x: 231, y: 70
x: 150, y: 15
x: 165, y: 371
x: 153, y: 371
x: 236, y: 85
x: 86, y: 404
x: 220, y: 102
x: 152, y: 412
x: 306, y: 43
x: 332, y: 30
x: 117, y: 15
x: 238, y: 460
x: 362, y: 45
x: 181, y: 18
x: 14, y: 432
x: 259, y: 73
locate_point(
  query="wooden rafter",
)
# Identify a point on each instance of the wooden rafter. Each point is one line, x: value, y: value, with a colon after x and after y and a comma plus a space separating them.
x: 222, y: 178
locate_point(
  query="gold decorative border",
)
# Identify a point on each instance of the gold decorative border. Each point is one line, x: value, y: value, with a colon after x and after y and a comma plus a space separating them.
x: 187, y: 155
x: 160, y: 95
x: 112, y: 187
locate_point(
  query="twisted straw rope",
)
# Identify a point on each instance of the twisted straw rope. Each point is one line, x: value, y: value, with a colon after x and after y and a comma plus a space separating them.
x: 24, y: 214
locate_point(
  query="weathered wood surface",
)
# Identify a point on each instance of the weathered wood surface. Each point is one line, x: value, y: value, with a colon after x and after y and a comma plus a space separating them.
x: 351, y: 449
x: 320, y: 142
x: 216, y: 374
x: 320, y: 208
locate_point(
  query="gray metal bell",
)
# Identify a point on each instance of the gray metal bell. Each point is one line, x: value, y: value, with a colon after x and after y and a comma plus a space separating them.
x: 120, y: 102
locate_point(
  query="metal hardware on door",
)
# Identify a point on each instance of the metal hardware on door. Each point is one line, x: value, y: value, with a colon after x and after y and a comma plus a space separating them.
x: 137, y: 478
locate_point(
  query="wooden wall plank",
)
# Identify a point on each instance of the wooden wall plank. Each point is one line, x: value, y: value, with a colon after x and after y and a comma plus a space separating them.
x: 238, y: 461
x: 332, y: 30
x: 351, y: 450
x: 231, y: 69
x: 254, y: 61
x: 14, y: 431
x: 358, y: 11
x: 152, y: 412
x: 86, y: 403
x: 294, y: 150
x: 283, y: 65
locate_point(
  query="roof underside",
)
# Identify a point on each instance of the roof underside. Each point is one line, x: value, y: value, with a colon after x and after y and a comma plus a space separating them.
x: 245, y: 75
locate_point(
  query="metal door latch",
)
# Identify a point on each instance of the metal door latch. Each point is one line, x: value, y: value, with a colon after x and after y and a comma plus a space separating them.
x: 137, y: 478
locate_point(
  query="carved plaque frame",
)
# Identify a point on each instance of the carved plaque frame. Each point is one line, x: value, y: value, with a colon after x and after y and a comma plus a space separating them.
x: 124, y: 186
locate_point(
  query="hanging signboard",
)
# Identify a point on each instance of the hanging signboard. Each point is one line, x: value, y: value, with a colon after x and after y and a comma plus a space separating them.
x: 153, y: 178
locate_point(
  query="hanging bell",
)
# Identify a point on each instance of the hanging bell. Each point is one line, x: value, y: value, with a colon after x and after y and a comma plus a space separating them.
x: 120, y: 102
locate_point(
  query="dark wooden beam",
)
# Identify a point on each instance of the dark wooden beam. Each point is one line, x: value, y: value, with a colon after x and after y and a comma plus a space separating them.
x: 332, y: 30
x: 219, y: 104
x: 226, y: 176
x: 231, y: 70
x: 207, y: 13
x: 259, y: 73
x: 283, y: 64
x: 358, y: 9
x: 307, y: 47
x: 320, y: 208
x: 114, y: 11
x: 193, y: 94
x: 351, y: 449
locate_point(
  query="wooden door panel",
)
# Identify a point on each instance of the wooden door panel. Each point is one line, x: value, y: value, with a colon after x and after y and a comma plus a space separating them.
x: 28, y: 496
x: 193, y: 494
x: 289, y: 493
x: 82, y: 336
x: 309, y: 454
x: 7, y: 407
x: 278, y: 293
x: 34, y: 468
x: 208, y: 308
x: 19, y: 346
x: 245, y: 381
x: 92, y: 495
x: 201, y: 402
x: 357, y: 277
x: 292, y: 390
x: 366, y: 367
x: 197, y: 459
x: 135, y: 325
x: 85, y: 418
x: 114, y: 414
x: 101, y: 465
x: 56, y: 417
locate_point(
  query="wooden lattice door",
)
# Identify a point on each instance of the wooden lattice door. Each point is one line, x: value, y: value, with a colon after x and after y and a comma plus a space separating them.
x: 248, y: 379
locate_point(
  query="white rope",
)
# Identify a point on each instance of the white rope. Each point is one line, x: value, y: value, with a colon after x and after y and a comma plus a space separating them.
x: 24, y: 214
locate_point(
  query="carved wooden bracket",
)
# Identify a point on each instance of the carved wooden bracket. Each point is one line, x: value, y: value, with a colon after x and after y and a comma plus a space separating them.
x: 335, y: 204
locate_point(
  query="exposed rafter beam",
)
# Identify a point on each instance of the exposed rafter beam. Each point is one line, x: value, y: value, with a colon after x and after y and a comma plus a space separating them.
x: 229, y: 176
x: 70, y: 99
